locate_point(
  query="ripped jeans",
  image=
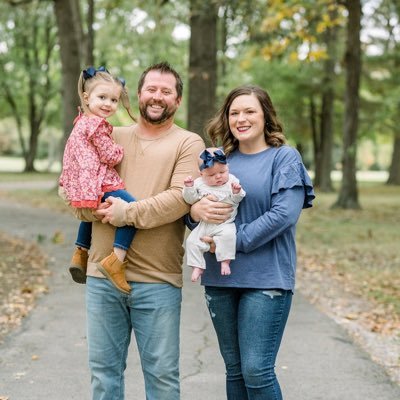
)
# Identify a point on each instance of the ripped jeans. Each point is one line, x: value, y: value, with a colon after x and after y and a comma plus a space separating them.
x: 249, y: 324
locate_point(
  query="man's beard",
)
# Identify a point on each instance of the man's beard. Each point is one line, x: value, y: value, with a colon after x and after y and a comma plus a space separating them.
x: 164, y: 116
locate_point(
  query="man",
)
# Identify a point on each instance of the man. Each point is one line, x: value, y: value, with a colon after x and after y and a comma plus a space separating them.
x: 158, y: 155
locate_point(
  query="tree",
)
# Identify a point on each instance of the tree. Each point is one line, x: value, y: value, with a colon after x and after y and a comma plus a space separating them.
x: 348, y: 195
x: 307, y: 35
x: 202, y: 64
x: 394, y: 170
x: 27, y: 69
x: 323, y: 157
x: 68, y: 38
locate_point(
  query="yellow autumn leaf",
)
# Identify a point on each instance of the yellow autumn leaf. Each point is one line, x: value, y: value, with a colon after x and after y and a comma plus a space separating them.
x: 58, y: 237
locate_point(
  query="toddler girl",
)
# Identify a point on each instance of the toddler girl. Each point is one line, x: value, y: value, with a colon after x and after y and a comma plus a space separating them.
x: 88, y: 174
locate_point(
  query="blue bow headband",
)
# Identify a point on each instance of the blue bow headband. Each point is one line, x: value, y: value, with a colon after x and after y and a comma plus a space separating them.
x: 209, y: 159
x: 91, y: 72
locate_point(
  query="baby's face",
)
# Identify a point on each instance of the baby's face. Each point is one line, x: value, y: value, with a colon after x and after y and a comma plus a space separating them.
x: 217, y: 175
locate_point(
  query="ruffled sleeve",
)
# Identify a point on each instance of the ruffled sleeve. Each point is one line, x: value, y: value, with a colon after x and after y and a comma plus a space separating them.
x: 294, y: 175
x: 98, y: 132
x: 98, y: 124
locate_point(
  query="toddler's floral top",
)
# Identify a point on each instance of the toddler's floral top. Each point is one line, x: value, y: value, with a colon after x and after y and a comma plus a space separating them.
x: 88, y: 164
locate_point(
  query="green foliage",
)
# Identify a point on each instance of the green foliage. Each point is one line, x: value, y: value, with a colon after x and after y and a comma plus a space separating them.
x: 276, y: 44
x: 29, y: 69
x: 25, y: 49
x: 134, y: 35
x: 28, y: 176
x: 381, y: 78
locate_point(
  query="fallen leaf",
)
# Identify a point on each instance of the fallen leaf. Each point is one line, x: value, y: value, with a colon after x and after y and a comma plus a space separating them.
x: 351, y: 316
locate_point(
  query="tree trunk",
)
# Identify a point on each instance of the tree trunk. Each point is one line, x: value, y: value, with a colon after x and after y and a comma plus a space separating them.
x: 316, y: 141
x: 33, y: 145
x: 222, y: 30
x: 394, y: 170
x: 89, y: 56
x: 328, y: 98
x: 70, y: 63
x: 348, y: 196
x: 38, y: 89
x: 8, y: 95
x: 202, y: 64
x: 84, y: 38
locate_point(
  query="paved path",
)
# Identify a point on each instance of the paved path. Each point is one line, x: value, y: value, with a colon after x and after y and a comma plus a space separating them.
x: 45, y: 359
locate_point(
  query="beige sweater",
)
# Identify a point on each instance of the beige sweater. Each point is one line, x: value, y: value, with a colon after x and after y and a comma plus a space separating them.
x: 153, y: 172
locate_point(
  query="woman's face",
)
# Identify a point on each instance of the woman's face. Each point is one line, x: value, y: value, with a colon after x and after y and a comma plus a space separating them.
x: 246, y: 120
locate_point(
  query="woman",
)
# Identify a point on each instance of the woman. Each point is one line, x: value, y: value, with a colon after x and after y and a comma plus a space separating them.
x: 250, y: 307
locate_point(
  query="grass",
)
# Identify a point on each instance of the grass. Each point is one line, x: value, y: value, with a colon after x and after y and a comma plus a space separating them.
x: 28, y: 176
x: 361, y: 246
x: 43, y: 198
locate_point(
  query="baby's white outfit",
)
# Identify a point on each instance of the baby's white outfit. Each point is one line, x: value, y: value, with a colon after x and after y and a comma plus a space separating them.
x: 224, y: 234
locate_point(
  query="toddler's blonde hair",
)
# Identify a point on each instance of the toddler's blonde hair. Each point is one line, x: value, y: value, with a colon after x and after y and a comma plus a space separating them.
x: 87, y: 85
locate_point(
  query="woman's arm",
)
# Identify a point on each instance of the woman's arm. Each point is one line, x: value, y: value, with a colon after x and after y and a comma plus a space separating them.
x: 284, y: 214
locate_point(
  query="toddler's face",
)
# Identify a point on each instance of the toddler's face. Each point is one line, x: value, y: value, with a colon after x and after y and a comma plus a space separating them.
x: 103, y: 99
x: 217, y: 175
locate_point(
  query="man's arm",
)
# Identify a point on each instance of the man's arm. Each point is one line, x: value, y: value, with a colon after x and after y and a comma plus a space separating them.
x: 84, y: 214
x: 165, y: 207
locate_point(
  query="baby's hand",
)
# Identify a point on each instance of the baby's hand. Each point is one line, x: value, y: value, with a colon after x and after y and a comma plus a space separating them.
x: 188, y: 182
x: 236, y: 187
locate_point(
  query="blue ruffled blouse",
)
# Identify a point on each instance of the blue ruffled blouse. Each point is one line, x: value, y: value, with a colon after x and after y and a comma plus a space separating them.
x: 277, y: 188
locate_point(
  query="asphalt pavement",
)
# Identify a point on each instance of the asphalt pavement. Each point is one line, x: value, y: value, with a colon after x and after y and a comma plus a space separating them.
x: 46, y: 358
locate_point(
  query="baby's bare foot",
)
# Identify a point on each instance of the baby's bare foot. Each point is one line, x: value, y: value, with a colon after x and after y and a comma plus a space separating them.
x: 225, y: 269
x: 197, y: 272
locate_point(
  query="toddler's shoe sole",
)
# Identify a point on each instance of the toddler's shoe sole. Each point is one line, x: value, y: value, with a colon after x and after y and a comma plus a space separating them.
x: 78, y: 275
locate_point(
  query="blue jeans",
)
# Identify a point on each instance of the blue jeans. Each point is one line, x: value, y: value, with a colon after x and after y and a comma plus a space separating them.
x: 249, y: 324
x: 123, y: 235
x: 152, y: 311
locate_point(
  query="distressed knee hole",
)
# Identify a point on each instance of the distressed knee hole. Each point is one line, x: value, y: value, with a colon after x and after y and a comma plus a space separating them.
x: 272, y: 293
x: 208, y: 299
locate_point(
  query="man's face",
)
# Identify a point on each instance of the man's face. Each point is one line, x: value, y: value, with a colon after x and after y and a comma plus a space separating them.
x: 158, y: 99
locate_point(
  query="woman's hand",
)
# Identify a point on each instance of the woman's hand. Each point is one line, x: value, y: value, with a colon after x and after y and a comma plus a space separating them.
x: 112, y: 211
x: 209, y: 210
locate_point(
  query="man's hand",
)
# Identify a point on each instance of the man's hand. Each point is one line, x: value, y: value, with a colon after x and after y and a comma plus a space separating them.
x: 112, y: 211
x: 209, y: 210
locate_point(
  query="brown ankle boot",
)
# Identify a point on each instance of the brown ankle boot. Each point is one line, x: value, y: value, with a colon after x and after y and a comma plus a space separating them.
x: 78, y: 265
x: 114, y: 270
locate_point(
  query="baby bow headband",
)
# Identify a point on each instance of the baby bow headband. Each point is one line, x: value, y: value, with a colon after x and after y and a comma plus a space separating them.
x: 209, y: 159
x: 91, y: 72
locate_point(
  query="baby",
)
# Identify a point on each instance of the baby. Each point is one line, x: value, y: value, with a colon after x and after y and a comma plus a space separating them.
x: 215, y: 180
